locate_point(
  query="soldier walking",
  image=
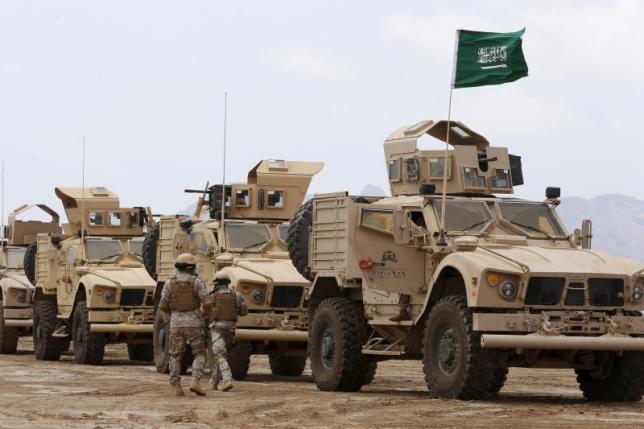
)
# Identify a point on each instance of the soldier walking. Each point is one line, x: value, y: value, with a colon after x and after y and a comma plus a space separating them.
x: 182, y: 296
x: 228, y: 305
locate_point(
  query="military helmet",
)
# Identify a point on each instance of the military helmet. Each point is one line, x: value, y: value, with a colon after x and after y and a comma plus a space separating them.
x: 185, y: 261
x: 222, y: 279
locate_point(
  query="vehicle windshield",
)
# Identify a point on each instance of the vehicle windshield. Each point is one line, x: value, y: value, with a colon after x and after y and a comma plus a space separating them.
x: 15, y: 257
x: 99, y: 250
x: 136, y: 247
x: 282, y: 229
x: 464, y: 215
x: 246, y: 236
x: 536, y: 219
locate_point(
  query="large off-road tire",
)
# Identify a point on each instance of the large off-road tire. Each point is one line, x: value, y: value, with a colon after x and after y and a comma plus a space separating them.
x: 149, y: 251
x: 29, y: 262
x: 623, y: 382
x: 337, y: 334
x: 297, y: 240
x: 290, y: 366
x: 140, y: 352
x: 161, y: 342
x: 239, y: 359
x: 46, y: 347
x: 454, y: 363
x: 8, y: 336
x: 500, y: 377
x: 89, y: 348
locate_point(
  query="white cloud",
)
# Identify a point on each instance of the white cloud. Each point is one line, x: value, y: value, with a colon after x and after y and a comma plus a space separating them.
x: 307, y: 63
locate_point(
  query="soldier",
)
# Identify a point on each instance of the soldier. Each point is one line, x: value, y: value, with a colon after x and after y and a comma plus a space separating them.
x: 182, y: 295
x: 228, y: 305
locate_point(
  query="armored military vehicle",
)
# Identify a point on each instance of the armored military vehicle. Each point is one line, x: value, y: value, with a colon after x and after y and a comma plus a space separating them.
x: 17, y: 291
x: 506, y: 285
x: 91, y: 285
x: 248, y: 245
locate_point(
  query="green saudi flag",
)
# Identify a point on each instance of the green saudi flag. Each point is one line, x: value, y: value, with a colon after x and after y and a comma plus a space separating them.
x: 488, y: 58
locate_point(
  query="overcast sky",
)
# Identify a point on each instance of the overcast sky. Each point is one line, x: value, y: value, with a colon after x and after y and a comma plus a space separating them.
x: 143, y: 81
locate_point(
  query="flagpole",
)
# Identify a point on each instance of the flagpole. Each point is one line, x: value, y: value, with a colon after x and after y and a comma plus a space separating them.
x: 441, y: 238
x: 2, y: 210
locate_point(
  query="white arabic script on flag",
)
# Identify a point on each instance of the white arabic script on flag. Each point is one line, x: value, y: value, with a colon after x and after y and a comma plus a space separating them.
x: 493, y: 54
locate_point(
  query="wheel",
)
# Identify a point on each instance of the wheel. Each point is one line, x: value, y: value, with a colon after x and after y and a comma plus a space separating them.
x: 161, y: 342
x: 337, y: 334
x: 149, y: 250
x: 500, y: 377
x: 370, y: 372
x: 8, y: 336
x: 297, y: 239
x: 46, y: 347
x: 621, y: 381
x: 140, y: 352
x: 89, y: 348
x: 454, y: 363
x: 239, y: 359
x: 29, y: 262
x: 291, y: 366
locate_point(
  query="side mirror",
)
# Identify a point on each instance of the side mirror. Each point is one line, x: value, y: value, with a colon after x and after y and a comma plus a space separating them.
x: 586, y: 234
x: 552, y: 193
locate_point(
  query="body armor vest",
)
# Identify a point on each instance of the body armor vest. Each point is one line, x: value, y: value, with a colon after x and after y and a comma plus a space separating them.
x: 226, y: 306
x: 182, y: 295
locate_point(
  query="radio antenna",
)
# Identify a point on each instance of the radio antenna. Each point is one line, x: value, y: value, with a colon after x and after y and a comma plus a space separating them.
x: 83, y: 198
x: 223, y: 179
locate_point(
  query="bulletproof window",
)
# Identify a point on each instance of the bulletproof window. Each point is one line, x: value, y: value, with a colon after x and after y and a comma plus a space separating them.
x: 417, y: 218
x: 275, y: 199
x: 283, y: 231
x: 412, y: 169
x: 96, y: 218
x: 460, y: 132
x: 472, y: 179
x: 114, y: 218
x: 136, y: 247
x: 133, y: 219
x: 71, y: 255
x: 501, y: 180
x: 394, y: 170
x: 198, y: 241
x: 437, y: 167
x: 536, y: 219
x: 464, y: 215
x: 99, y: 191
x: 379, y: 219
x: 277, y: 164
x: 242, y: 198
x: 15, y: 257
x: 98, y: 250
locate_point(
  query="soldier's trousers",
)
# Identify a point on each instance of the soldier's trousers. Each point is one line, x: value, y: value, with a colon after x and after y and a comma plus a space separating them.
x: 179, y: 337
x: 222, y: 341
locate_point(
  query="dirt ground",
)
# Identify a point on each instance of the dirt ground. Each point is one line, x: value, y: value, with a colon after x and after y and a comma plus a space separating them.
x: 122, y: 394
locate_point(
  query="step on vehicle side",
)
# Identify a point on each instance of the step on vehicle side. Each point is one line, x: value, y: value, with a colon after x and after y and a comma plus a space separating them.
x: 91, y: 287
x: 250, y: 247
x: 16, y: 290
x: 510, y: 287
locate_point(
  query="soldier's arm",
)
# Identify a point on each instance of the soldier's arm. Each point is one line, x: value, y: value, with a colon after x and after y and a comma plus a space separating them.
x: 164, y: 303
x: 242, y: 310
x: 204, y: 296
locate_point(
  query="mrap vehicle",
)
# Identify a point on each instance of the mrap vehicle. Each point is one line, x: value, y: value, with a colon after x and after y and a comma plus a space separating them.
x: 506, y: 285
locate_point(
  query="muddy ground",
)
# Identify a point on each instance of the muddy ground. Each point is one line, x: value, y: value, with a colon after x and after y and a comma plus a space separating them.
x: 122, y: 394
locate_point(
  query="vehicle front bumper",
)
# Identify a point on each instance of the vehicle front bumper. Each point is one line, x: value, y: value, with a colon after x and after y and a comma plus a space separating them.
x: 20, y: 317
x: 138, y: 321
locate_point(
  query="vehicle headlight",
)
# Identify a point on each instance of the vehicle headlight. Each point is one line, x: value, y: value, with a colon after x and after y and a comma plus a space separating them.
x: 508, y: 289
x: 107, y: 293
x: 638, y: 292
x: 258, y: 295
x: 19, y: 294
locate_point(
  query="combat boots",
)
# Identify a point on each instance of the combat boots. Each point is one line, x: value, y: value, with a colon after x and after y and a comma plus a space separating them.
x: 195, y: 387
x: 178, y: 390
x: 227, y: 385
x: 403, y: 314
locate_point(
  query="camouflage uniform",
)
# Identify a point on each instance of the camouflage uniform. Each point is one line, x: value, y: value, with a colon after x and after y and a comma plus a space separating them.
x: 186, y: 327
x: 222, y: 333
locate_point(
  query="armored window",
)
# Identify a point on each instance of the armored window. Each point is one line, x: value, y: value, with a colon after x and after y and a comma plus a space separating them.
x: 136, y: 247
x: 101, y: 250
x: 96, y: 219
x: 247, y: 236
x: 501, y: 180
x: 394, y: 170
x: 99, y: 191
x: 460, y: 132
x: 379, y: 219
x: 133, y: 219
x: 472, y: 179
x: 242, y: 198
x: 275, y: 199
x: 437, y: 167
x: 277, y: 164
x: 283, y: 231
x: 198, y: 242
x: 464, y: 215
x: 536, y: 219
x: 412, y: 169
x: 15, y: 257
x: 71, y: 255
x: 114, y: 218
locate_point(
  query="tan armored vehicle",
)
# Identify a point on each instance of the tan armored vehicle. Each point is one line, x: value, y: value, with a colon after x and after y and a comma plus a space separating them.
x: 509, y: 287
x: 91, y: 286
x: 17, y: 291
x: 249, y: 245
